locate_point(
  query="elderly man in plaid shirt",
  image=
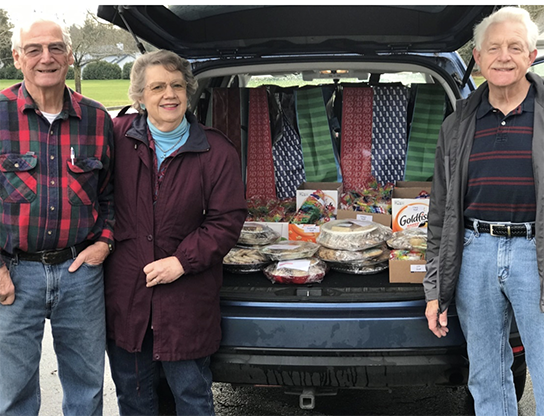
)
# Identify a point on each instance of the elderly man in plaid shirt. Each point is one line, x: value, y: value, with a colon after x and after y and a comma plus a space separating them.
x: 56, y: 229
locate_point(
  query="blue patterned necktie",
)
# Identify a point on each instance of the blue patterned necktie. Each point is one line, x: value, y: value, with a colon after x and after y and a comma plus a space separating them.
x: 389, y: 133
x: 288, y: 162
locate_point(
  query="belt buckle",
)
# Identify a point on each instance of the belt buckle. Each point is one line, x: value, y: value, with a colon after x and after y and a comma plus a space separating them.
x: 492, y: 230
x: 49, y: 257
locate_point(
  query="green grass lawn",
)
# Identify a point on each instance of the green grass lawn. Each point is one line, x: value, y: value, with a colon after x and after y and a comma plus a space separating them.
x: 111, y: 93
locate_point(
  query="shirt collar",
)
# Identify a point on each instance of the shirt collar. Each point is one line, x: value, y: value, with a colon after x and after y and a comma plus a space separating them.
x: 70, y: 107
x: 528, y: 104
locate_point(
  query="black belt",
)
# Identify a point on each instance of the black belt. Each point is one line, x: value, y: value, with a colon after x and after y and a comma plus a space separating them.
x: 503, y: 230
x: 53, y: 256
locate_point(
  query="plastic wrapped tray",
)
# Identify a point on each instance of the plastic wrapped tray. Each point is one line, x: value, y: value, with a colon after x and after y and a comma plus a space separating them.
x: 409, y: 239
x: 360, y: 267
x: 353, y: 235
x: 244, y: 260
x: 300, y: 271
x: 290, y: 250
x: 255, y: 234
x: 347, y: 256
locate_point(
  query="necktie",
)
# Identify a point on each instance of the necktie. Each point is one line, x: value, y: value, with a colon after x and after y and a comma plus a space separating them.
x: 315, y: 136
x: 260, y: 163
x: 226, y: 114
x: 288, y: 162
x: 389, y: 133
x: 426, y: 122
x: 356, y: 147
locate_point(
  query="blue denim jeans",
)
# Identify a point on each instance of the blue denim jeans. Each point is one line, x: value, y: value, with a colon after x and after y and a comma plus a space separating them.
x: 136, y: 377
x: 499, y: 279
x: 74, y: 303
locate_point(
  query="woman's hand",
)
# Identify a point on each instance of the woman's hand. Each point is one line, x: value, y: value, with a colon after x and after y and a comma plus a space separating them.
x: 163, y: 271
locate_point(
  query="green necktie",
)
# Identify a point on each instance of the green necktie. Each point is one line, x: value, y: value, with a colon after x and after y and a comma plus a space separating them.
x: 426, y: 122
x: 315, y: 136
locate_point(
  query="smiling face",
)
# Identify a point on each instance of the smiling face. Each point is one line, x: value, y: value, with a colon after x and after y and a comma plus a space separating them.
x: 164, y: 97
x: 46, y: 70
x: 504, y: 57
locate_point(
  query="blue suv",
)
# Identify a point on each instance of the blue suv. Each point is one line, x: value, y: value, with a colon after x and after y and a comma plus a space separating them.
x: 349, y: 331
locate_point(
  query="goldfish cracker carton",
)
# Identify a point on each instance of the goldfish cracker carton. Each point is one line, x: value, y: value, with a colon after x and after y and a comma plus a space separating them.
x: 407, y: 211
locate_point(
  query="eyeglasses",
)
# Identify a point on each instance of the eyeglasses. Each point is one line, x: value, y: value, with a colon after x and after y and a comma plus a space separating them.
x: 160, y: 87
x: 34, y: 50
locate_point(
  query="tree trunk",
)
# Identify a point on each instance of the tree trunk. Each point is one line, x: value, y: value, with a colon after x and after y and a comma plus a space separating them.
x: 77, y: 78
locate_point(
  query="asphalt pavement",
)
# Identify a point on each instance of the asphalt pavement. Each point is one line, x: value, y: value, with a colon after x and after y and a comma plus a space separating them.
x: 249, y: 401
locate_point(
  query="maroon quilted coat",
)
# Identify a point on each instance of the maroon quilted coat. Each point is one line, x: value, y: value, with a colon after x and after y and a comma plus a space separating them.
x: 197, y: 218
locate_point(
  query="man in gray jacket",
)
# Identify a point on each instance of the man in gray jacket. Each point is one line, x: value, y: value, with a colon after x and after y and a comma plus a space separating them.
x: 486, y: 216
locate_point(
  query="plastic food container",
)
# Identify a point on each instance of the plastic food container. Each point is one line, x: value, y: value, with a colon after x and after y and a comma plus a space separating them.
x: 290, y: 250
x: 300, y: 271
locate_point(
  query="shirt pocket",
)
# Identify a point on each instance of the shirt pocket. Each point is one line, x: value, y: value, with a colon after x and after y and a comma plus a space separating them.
x: 18, y: 176
x: 83, y: 180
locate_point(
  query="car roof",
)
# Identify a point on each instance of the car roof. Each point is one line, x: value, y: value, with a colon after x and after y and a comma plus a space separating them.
x: 213, y: 31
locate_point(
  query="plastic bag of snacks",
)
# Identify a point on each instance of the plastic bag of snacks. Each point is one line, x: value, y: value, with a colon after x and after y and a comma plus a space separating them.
x: 314, y: 210
x: 255, y: 234
x: 301, y: 271
x: 406, y: 255
x: 244, y: 260
x: 353, y: 234
x: 289, y: 250
x: 409, y: 239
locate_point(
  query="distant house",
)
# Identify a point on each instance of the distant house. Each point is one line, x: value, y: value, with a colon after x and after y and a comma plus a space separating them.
x: 120, y: 60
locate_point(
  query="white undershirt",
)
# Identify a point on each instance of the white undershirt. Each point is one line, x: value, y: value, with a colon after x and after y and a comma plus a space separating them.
x: 50, y: 116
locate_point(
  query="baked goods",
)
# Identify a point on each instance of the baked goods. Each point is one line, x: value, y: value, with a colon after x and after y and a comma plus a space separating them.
x: 409, y: 239
x: 256, y: 234
x: 290, y: 250
x: 359, y: 267
x: 353, y: 234
x: 301, y: 271
x: 346, y: 256
x: 244, y: 260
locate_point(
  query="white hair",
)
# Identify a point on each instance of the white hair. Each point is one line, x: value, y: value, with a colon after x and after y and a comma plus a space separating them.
x: 511, y: 14
x: 25, y: 27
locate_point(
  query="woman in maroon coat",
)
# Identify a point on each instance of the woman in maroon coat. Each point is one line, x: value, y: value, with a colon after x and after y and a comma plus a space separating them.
x: 180, y: 207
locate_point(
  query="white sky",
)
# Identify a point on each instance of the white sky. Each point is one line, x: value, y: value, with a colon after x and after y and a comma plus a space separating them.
x: 68, y: 11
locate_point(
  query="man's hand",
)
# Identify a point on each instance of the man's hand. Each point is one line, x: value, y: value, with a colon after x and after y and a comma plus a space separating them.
x: 163, y: 271
x: 7, y: 290
x: 438, y: 324
x: 94, y: 255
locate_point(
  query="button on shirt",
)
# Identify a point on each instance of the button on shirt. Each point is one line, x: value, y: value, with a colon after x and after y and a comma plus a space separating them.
x: 46, y: 201
x: 501, y: 184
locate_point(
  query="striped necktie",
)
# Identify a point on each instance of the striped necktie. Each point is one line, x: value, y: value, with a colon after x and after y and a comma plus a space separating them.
x: 428, y: 116
x: 260, y: 163
x: 315, y: 136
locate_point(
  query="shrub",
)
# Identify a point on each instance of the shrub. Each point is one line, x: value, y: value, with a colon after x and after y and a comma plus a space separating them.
x: 126, y: 70
x: 101, y: 70
x: 10, y: 72
x: 70, y: 74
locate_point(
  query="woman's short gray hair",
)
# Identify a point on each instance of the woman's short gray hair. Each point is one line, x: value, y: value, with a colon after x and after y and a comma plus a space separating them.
x: 169, y: 60
x: 511, y: 14
x: 26, y: 25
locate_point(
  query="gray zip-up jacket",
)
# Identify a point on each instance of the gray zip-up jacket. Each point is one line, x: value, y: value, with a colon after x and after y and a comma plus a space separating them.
x: 446, y: 223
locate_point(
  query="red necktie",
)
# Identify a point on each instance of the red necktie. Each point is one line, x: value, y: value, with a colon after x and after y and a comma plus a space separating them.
x: 356, y: 148
x: 260, y: 163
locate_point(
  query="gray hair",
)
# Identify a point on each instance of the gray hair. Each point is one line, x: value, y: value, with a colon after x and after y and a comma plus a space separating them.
x: 169, y: 60
x: 25, y: 27
x: 512, y: 14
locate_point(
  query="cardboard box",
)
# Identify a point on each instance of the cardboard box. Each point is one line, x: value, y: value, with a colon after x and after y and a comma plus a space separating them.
x: 332, y: 191
x: 346, y: 214
x: 406, y: 271
x: 304, y: 232
x: 408, y: 211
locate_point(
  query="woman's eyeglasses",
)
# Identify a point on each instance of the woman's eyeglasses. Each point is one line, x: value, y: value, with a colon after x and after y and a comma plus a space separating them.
x: 160, y: 87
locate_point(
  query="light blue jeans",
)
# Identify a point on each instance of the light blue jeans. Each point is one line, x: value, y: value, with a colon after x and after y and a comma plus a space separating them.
x: 74, y: 302
x: 499, y: 279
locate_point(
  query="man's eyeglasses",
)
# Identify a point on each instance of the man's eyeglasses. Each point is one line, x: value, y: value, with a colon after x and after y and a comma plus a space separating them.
x: 160, y: 87
x: 34, y: 50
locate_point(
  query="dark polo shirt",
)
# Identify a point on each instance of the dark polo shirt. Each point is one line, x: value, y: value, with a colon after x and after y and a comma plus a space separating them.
x: 501, y: 184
